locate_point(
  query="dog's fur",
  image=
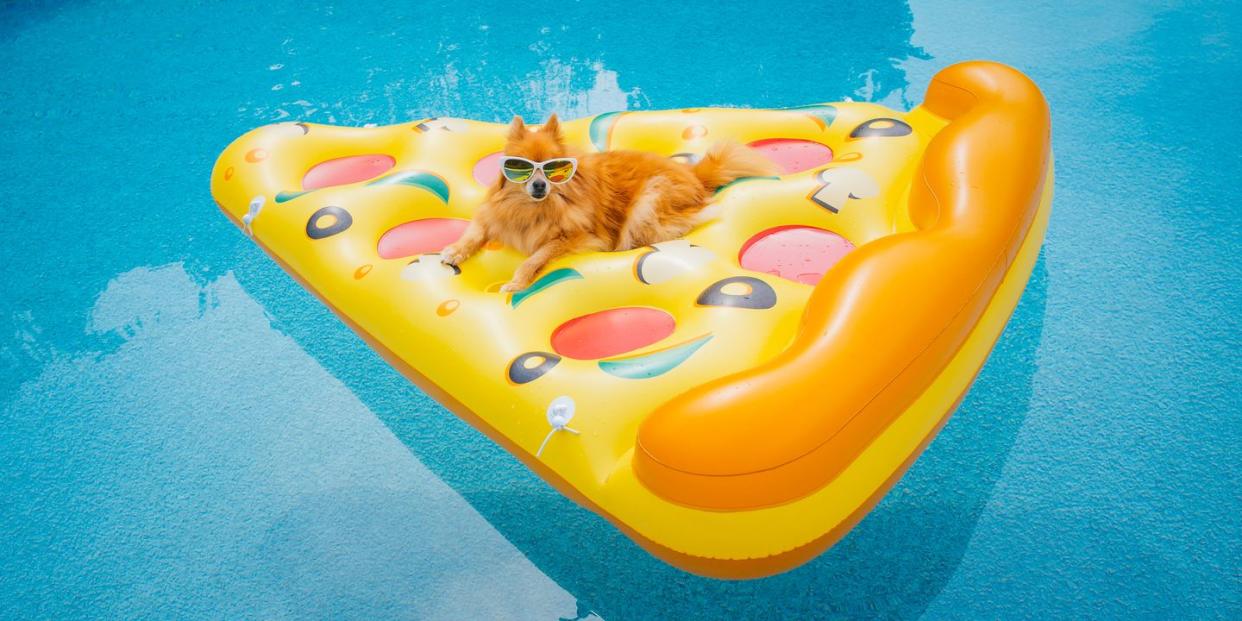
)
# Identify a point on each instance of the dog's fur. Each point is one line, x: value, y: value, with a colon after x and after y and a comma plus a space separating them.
x: 617, y: 200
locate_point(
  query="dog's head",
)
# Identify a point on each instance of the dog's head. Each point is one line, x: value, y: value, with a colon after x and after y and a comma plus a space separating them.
x: 541, y: 145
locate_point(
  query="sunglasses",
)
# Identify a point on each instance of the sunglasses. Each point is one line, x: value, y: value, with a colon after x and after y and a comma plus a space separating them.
x: 520, y: 169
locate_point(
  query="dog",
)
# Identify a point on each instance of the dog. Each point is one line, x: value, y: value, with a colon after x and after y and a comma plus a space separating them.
x: 548, y: 202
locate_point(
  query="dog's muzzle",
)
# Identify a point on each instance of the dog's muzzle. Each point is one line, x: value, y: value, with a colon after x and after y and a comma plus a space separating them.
x: 537, y: 189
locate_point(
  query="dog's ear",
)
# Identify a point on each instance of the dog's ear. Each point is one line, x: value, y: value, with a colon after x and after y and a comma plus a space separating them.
x: 517, y: 129
x: 552, y: 127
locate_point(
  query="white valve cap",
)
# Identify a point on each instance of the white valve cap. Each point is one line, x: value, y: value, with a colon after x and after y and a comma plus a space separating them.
x: 256, y: 205
x: 560, y: 411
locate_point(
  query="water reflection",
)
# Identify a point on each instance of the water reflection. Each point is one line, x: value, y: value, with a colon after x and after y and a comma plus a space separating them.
x: 207, y: 465
x: 571, y: 89
x: 461, y: 61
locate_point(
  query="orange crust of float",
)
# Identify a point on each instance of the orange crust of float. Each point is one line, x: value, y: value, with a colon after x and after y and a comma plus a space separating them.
x: 725, y: 517
x: 981, y: 183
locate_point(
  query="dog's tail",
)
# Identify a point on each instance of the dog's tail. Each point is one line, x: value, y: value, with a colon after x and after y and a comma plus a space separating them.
x: 726, y: 162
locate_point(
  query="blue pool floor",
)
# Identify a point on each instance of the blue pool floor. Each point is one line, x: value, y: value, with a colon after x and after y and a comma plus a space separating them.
x: 185, y: 432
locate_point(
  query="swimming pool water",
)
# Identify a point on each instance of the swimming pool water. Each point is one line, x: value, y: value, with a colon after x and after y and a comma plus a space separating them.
x: 185, y: 432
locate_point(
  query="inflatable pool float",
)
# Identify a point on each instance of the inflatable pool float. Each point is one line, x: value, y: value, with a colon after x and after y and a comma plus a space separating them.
x: 733, y: 401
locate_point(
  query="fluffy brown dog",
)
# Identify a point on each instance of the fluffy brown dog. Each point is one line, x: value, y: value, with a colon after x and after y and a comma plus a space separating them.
x: 617, y: 200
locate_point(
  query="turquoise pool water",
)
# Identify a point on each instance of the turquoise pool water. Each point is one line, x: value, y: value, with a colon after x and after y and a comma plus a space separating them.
x: 184, y: 432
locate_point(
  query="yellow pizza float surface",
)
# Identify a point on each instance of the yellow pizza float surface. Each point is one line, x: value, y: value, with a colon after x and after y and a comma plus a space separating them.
x: 735, y: 400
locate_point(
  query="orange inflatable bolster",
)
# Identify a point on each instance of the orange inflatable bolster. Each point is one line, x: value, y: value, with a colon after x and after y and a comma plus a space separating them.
x: 779, y: 431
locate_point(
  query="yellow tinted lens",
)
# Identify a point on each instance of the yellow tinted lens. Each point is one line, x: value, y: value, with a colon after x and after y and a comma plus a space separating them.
x: 558, y: 171
x: 516, y: 170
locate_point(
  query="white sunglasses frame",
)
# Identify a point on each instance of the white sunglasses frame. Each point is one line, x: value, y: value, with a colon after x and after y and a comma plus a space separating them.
x: 538, y: 167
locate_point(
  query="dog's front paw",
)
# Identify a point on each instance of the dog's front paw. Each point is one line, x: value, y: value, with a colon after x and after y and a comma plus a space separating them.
x: 452, y: 255
x: 513, y: 286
